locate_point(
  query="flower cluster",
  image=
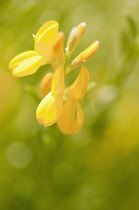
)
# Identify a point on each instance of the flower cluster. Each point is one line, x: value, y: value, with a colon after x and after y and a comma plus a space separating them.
x: 60, y: 104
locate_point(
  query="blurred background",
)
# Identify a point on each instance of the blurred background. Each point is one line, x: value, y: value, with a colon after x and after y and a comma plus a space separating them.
x: 98, y: 168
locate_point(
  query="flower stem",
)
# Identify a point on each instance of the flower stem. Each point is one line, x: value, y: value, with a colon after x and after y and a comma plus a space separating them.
x: 67, y: 56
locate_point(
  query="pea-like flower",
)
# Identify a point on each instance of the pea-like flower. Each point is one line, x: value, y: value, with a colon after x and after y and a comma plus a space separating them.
x: 59, y: 104
x: 51, y: 105
x: 28, y: 62
x: 72, y: 117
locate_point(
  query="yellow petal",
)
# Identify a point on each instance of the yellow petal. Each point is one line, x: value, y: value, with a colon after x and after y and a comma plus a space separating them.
x: 51, y: 117
x: 45, y: 85
x: 20, y: 58
x: 44, y: 40
x: 85, y: 55
x: 71, y: 118
x: 28, y: 66
x: 89, y: 51
x: 66, y: 119
x: 48, y: 109
x: 79, y: 119
x: 59, y: 104
x: 54, y: 110
x: 58, y: 51
x: 44, y: 29
x: 78, y: 89
x: 58, y: 82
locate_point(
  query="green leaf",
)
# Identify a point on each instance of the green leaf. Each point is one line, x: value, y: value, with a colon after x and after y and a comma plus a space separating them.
x: 132, y: 26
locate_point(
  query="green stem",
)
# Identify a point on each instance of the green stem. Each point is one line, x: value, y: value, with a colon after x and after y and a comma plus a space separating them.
x: 67, y: 56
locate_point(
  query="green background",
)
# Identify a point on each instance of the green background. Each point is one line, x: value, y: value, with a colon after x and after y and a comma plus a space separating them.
x: 98, y: 168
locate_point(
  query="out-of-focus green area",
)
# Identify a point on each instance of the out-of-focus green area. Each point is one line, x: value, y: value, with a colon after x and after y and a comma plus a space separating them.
x: 98, y: 168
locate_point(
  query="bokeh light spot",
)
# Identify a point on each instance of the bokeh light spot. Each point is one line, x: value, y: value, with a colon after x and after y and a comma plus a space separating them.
x: 19, y: 154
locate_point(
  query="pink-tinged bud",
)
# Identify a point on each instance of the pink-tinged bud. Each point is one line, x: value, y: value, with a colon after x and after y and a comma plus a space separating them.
x: 74, y: 37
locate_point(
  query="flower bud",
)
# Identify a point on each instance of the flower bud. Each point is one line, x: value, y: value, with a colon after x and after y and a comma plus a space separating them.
x: 74, y: 37
x: 85, y: 55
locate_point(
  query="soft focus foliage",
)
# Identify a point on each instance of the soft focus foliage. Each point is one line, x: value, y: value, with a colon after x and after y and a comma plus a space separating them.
x: 98, y: 167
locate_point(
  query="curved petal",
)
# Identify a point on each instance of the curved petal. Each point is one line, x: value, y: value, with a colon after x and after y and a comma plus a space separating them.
x: 66, y: 119
x: 45, y: 85
x: 45, y: 39
x: 48, y: 109
x: 44, y: 29
x: 79, y: 118
x: 20, y: 58
x: 28, y: 66
x: 59, y: 104
x: 78, y: 89
x: 58, y: 51
x: 71, y: 118
x: 58, y: 82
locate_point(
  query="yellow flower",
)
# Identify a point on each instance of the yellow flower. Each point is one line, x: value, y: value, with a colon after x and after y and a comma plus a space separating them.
x: 44, y: 40
x: 58, y: 104
x: 51, y: 105
x: 78, y: 89
x: 28, y: 62
x: 25, y: 63
x: 71, y: 117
